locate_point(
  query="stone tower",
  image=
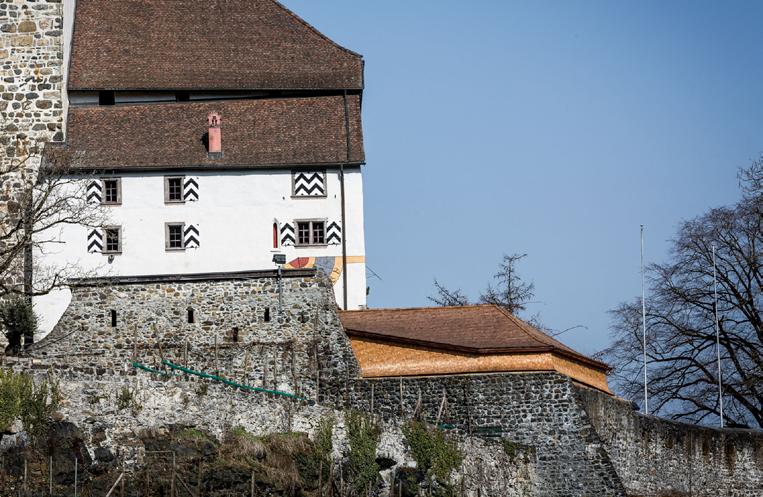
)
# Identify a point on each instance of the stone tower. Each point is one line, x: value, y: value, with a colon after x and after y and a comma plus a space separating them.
x: 31, y: 108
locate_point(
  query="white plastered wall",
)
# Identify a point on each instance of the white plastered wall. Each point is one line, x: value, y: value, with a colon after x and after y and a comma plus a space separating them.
x: 234, y: 215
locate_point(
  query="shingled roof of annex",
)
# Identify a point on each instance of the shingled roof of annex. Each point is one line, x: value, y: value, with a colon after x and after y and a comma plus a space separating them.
x: 474, y: 329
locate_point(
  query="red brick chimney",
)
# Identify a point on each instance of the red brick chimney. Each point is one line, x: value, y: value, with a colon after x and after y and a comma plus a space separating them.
x: 215, y: 144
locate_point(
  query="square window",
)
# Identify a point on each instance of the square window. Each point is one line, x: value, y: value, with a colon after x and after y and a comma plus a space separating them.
x: 311, y: 232
x: 318, y: 233
x: 173, y: 189
x: 173, y: 233
x: 303, y: 233
x: 112, y: 191
x: 113, y: 239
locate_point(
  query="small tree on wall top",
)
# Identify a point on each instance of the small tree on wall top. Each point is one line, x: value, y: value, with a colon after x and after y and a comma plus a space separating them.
x: 18, y: 320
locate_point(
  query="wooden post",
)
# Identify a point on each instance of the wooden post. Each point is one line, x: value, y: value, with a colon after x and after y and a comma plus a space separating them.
x: 265, y: 368
x: 372, y: 398
x: 442, y: 406
x: 116, y: 482
x: 122, y: 485
x: 275, y: 370
x: 295, y: 385
x: 251, y: 489
x: 185, y: 486
x: 148, y: 482
x: 401, y: 396
x: 417, y: 409
x: 198, y: 480
x: 172, y: 483
x: 331, y: 479
x: 317, y: 374
x: 161, y: 353
x: 185, y: 353
x: 135, y: 342
x: 217, y: 366
x: 320, y: 478
x: 75, y: 476
x: 50, y: 475
x: 245, y: 377
x: 25, y: 475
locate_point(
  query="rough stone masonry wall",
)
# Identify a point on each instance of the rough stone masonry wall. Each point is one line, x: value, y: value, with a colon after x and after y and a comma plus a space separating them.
x: 31, y: 106
x: 657, y: 457
x: 535, y: 409
x: 31, y: 48
x: 303, y: 350
x: 90, y: 401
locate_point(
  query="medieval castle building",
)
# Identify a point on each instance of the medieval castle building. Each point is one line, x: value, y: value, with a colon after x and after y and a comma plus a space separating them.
x: 210, y: 146
x: 220, y: 144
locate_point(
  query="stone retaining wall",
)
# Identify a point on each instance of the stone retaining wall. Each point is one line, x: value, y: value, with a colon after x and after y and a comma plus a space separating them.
x: 90, y: 401
x: 237, y: 331
x: 535, y: 409
x: 658, y: 457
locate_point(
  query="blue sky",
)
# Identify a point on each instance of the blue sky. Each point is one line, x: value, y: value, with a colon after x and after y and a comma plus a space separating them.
x: 547, y: 128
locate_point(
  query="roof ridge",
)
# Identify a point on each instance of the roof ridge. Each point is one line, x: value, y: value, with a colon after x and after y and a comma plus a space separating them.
x: 520, y: 323
x: 523, y: 325
x: 314, y: 29
x: 433, y: 307
x: 222, y: 101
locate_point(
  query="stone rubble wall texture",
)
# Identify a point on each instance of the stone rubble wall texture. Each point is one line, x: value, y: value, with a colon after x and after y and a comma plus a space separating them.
x: 303, y: 351
x: 534, y: 409
x: 31, y: 105
x: 90, y: 402
x: 655, y: 456
x: 581, y: 442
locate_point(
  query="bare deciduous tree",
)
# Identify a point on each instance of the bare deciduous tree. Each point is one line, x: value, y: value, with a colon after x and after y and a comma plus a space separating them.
x: 681, y: 334
x: 40, y: 201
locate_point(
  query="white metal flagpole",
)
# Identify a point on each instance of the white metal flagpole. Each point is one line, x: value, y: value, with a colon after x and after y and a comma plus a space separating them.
x: 717, y: 339
x: 643, y: 322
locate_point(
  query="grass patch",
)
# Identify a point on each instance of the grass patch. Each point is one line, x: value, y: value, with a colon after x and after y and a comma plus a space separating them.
x: 436, y: 456
x: 192, y: 434
x: 126, y: 399
x: 285, y: 462
x: 361, y: 460
x: 22, y: 398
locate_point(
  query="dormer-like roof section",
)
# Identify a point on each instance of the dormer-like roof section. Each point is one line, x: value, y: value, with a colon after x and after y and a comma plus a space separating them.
x: 204, y: 44
x: 460, y: 340
x: 476, y: 329
x: 257, y: 133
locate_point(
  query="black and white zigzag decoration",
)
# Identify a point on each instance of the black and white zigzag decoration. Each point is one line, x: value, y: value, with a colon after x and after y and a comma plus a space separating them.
x: 94, y: 192
x: 310, y: 184
x: 334, y: 234
x: 191, y: 190
x: 191, y: 236
x: 287, y: 234
x: 94, y: 242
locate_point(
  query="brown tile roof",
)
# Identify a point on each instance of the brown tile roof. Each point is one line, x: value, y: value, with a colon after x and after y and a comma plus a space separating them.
x: 255, y: 133
x: 203, y: 44
x: 477, y: 329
